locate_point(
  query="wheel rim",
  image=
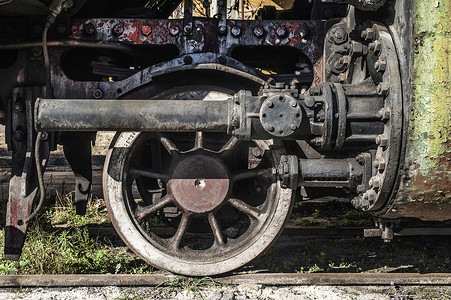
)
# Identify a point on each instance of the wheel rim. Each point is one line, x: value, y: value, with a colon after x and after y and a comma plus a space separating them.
x: 153, y: 183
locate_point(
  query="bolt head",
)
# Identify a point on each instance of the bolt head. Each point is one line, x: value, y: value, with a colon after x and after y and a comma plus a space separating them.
x: 235, y: 31
x: 303, y: 32
x: 174, y: 30
x: 97, y: 93
x: 118, y: 29
x: 269, y: 128
x: 382, y: 140
x: 187, y: 29
x: 19, y: 135
x: 376, y: 47
x: 18, y: 107
x: 368, y: 34
x: 379, y: 163
x: 281, y: 31
x: 146, y: 30
x: 375, y: 182
x: 222, y: 29
x: 293, y: 127
x: 380, y: 65
x: 259, y: 31
x: 338, y: 35
x: 372, y: 196
x: 383, y: 88
x: 384, y: 114
x: 61, y: 28
x: 270, y: 104
x: 356, y: 48
x: 89, y: 28
x: 342, y: 78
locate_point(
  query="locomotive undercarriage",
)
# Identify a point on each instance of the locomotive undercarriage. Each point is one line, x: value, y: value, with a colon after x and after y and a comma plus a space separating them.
x: 222, y: 124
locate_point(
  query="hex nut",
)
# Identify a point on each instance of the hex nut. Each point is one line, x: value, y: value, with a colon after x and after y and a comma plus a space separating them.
x: 339, y: 35
x: 384, y: 114
x: 382, y: 140
x: 368, y: 34
x: 356, y: 48
x: 380, y: 65
x: 383, y: 88
x: 379, y: 163
x: 376, y: 47
x: 375, y: 182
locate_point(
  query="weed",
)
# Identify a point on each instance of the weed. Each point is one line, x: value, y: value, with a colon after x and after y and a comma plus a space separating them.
x: 191, y: 285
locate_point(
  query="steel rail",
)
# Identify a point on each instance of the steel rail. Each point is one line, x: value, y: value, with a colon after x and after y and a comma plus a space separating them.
x: 271, y: 279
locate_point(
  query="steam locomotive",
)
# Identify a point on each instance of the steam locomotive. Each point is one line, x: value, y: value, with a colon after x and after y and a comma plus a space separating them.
x: 227, y: 113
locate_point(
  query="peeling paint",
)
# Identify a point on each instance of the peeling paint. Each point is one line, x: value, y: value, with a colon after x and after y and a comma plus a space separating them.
x: 426, y: 187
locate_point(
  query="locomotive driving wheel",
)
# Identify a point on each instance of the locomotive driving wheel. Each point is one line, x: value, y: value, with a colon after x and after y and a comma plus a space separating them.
x: 195, y: 203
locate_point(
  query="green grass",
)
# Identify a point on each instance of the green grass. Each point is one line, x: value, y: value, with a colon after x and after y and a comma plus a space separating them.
x: 58, y: 242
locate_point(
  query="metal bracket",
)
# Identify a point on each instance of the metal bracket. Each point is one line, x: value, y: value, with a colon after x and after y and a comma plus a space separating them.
x: 23, y: 185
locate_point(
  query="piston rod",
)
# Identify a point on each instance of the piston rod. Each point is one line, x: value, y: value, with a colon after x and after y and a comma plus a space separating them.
x: 132, y: 115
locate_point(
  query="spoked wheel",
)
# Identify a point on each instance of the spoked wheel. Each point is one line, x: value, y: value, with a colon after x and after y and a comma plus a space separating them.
x: 195, y: 203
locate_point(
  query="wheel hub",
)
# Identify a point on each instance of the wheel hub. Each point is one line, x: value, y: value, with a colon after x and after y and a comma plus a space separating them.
x: 199, y: 184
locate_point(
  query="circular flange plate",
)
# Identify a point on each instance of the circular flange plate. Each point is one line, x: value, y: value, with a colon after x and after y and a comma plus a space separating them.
x: 280, y: 115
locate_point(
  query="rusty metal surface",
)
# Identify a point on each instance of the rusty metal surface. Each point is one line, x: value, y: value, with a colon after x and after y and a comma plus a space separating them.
x: 370, y: 279
x: 200, y: 183
x: 425, y: 188
x: 155, y: 115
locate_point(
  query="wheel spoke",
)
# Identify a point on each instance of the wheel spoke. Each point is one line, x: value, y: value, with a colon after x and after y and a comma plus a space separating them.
x: 199, y: 140
x: 248, y: 174
x: 216, y: 229
x: 245, y: 208
x: 149, y: 173
x: 231, y: 143
x: 145, y: 211
x: 177, y: 238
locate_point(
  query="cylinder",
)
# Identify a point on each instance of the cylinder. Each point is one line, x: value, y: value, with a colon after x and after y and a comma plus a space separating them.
x: 132, y: 115
x: 329, y: 173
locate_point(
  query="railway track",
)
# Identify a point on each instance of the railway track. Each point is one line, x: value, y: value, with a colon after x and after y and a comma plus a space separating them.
x: 272, y: 279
